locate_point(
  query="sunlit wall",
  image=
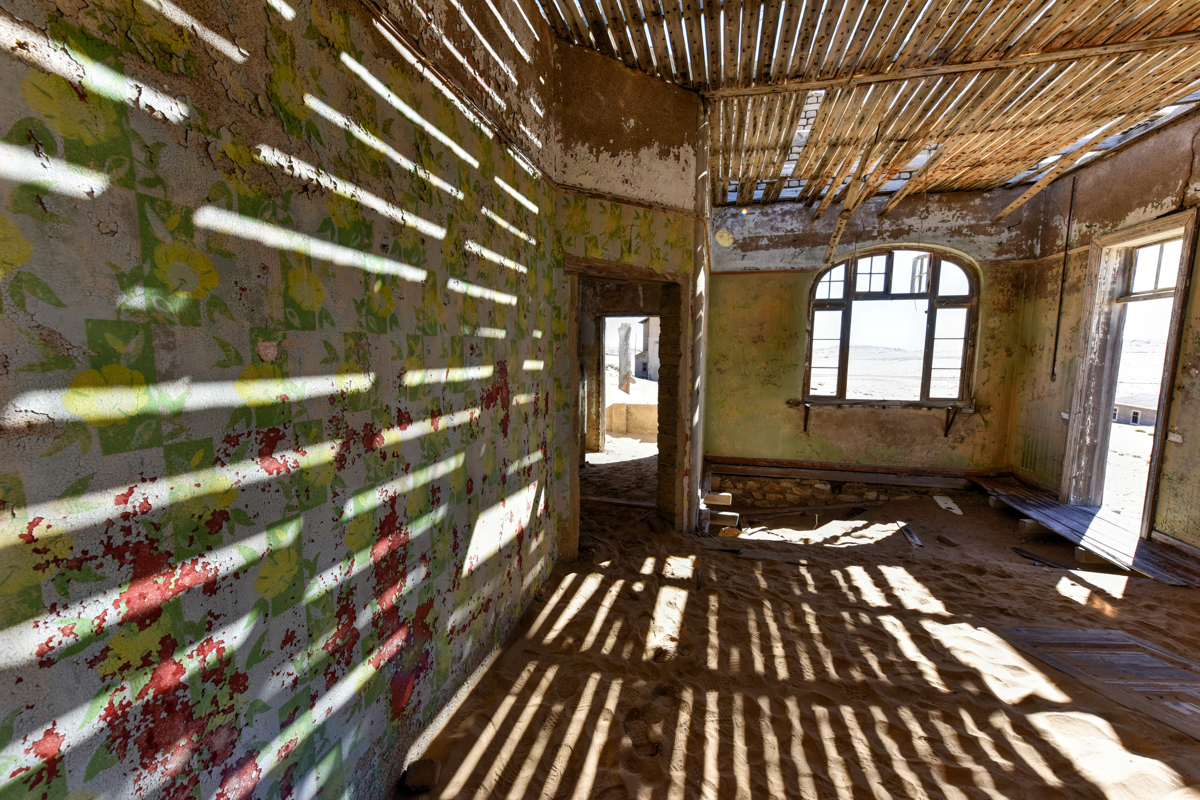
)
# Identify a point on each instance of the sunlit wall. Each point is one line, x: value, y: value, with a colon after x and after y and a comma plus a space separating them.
x: 284, y: 410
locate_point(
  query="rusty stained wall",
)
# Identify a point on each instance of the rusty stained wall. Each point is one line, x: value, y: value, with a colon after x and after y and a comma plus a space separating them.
x: 756, y: 364
x: 285, y: 428
x: 1148, y: 179
x: 623, y: 133
x: 784, y: 235
x: 757, y: 336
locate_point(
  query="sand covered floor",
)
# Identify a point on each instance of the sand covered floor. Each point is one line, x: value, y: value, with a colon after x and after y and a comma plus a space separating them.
x: 657, y: 668
x: 627, y: 469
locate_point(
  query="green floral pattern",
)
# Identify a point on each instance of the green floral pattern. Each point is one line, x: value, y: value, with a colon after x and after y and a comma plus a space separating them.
x: 269, y: 500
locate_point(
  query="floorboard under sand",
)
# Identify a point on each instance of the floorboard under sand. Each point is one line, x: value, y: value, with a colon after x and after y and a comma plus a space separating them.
x: 657, y: 668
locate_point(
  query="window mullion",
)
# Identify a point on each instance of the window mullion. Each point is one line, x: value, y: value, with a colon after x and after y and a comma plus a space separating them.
x: 935, y: 275
x: 844, y: 344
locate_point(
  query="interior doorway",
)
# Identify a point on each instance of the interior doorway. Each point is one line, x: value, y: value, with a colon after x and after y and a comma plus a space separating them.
x: 606, y: 296
x: 1133, y: 313
x: 622, y: 461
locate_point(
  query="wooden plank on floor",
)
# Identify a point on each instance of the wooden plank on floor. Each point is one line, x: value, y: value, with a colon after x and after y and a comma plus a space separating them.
x: 1133, y: 672
x: 1103, y: 536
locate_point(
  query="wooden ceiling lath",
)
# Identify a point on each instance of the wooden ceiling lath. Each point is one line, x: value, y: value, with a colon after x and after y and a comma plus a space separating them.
x: 991, y: 88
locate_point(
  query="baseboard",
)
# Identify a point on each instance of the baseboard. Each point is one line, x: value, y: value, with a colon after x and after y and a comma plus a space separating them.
x: 935, y: 478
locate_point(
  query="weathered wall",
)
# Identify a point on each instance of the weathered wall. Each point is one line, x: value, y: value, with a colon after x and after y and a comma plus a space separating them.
x: 784, y: 235
x: 757, y: 337
x: 756, y: 364
x: 1148, y: 179
x: 623, y: 133
x: 285, y: 414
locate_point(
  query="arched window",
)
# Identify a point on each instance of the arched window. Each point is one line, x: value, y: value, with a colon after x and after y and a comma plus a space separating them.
x: 892, y: 328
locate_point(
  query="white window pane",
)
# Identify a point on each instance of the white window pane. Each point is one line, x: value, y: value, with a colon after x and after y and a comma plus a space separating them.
x: 944, y: 385
x: 832, y: 284
x: 825, y: 357
x: 1145, y: 268
x: 947, y: 353
x: 951, y: 323
x: 953, y: 282
x: 910, y: 272
x: 827, y: 325
x: 872, y: 272
x: 823, y: 382
x: 1168, y: 273
x: 887, y: 350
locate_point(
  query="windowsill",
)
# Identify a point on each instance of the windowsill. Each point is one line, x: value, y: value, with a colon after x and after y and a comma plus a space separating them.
x: 931, y: 405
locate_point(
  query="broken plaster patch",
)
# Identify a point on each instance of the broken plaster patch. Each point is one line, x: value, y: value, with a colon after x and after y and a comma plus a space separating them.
x: 646, y: 175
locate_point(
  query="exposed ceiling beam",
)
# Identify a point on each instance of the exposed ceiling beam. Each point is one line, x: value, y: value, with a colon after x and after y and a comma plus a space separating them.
x: 1049, y: 57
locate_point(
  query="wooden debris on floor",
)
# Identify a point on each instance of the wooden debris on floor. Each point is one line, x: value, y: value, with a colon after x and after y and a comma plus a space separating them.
x: 1133, y: 672
x: 948, y: 504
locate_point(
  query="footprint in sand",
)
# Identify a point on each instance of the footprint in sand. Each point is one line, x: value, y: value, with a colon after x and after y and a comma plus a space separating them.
x: 637, y: 728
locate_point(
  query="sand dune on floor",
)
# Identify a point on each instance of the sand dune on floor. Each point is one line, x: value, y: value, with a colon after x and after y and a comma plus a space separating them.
x: 657, y: 667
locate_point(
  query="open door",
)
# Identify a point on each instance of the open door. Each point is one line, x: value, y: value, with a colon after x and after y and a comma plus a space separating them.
x: 1147, y: 263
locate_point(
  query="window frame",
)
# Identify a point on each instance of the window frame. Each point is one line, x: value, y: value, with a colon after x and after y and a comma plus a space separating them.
x: 845, y: 304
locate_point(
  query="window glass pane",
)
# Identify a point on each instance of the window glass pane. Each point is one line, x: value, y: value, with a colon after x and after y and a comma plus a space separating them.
x: 1168, y: 273
x: 953, y: 281
x: 832, y: 285
x: 823, y: 383
x: 949, y: 345
x: 827, y: 325
x: 826, y: 350
x: 1145, y: 268
x: 910, y: 272
x: 944, y: 384
x: 872, y: 274
x: 887, y: 350
x: 951, y: 323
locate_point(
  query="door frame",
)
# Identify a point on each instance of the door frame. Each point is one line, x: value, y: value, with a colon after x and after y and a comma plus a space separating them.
x: 1101, y: 328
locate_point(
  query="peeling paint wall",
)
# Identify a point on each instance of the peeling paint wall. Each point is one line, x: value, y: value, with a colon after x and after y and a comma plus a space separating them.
x: 756, y: 364
x: 622, y: 132
x: 285, y: 415
x: 1152, y: 177
x: 784, y: 235
x: 759, y: 312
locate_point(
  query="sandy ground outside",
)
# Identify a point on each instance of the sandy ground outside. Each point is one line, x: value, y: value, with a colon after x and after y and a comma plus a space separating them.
x: 641, y: 391
x: 655, y: 667
x: 627, y: 469
x: 1128, y: 468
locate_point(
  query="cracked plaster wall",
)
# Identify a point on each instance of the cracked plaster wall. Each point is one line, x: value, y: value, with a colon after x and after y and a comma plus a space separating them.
x: 285, y: 412
x: 758, y: 320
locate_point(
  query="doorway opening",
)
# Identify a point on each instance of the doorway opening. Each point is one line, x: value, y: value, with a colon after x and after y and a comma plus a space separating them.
x: 1137, y: 287
x: 1145, y: 330
x: 622, y: 461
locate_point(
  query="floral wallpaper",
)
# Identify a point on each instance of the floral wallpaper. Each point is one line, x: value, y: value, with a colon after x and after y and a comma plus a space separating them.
x: 285, y: 422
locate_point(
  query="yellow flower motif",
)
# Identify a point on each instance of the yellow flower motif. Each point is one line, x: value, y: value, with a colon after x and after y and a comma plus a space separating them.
x: 382, y: 299
x: 90, y: 119
x: 351, y: 379
x: 318, y: 464
x: 185, y: 269
x: 276, y: 572
x: 260, y: 384
x: 306, y: 288
x: 110, y: 394
x: 214, y: 493
x: 360, y: 531
x: 15, y: 249
x: 345, y: 212
x: 130, y: 646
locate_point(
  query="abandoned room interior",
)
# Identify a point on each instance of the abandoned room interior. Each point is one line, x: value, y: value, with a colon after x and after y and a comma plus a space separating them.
x: 612, y: 399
